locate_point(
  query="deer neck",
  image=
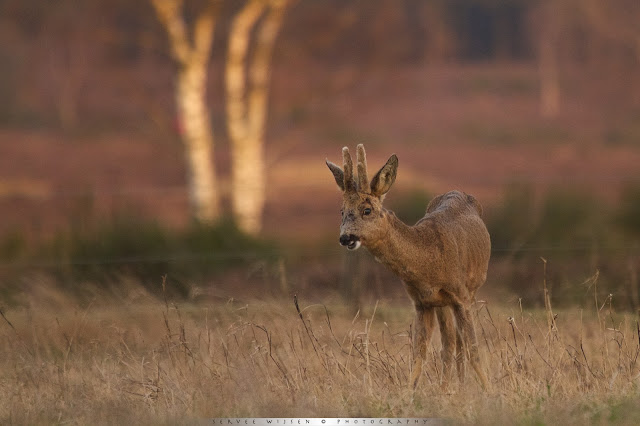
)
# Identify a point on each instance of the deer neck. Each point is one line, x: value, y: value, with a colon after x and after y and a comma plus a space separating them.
x: 393, y: 248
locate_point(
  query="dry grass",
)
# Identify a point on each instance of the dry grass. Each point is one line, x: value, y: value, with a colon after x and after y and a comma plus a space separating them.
x: 154, y: 362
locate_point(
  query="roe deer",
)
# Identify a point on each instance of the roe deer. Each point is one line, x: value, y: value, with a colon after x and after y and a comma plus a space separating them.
x: 442, y: 259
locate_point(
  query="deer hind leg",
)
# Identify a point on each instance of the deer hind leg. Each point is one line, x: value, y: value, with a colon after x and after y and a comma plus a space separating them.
x: 460, y: 355
x: 465, y: 323
x: 424, y: 323
x: 448, y: 337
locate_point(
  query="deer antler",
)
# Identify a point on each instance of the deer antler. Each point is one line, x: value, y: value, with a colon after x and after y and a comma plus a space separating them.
x: 349, y: 183
x: 363, y: 180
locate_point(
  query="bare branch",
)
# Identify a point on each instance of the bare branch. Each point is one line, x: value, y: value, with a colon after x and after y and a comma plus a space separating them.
x: 204, y: 29
x: 261, y: 65
x: 169, y: 13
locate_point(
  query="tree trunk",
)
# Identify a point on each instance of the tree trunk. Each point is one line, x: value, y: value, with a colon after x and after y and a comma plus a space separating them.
x: 247, y: 108
x: 247, y: 167
x: 440, y: 41
x: 192, y: 57
x: 197, y: 136
x: 548, y: 39
x: 549, y: 85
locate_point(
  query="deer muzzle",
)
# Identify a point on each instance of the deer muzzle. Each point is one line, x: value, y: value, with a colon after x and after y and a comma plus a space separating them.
x: 350, y: 241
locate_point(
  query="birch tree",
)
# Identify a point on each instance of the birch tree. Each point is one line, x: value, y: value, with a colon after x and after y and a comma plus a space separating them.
x: 247, y: 84
x: 191, y: 53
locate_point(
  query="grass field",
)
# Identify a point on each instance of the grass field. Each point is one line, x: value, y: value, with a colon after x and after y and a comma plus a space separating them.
x: 146, y: 360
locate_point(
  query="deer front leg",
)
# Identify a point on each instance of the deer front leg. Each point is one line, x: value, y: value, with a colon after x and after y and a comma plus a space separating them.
x: 424, y: 323
x: 465, y: 323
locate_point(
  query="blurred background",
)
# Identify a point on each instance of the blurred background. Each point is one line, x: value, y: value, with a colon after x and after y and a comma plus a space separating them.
x: 187, y: 140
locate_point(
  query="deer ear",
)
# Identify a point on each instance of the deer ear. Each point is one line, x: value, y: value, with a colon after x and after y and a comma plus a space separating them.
x: 338, y: 174
x: 382, y: 181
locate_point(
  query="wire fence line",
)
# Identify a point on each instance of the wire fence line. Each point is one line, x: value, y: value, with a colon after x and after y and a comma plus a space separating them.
x: 220, y: 256
x: 141, y: 259
x: 193, y: 257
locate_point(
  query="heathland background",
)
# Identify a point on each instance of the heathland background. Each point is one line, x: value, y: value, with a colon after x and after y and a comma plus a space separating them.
x: 117, y: 305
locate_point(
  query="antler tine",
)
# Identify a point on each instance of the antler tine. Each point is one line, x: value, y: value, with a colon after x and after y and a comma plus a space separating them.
x: 349, y: 183
x: 363, y: 180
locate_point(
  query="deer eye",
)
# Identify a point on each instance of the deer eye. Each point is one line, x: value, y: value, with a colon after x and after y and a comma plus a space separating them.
x: 367, y: 211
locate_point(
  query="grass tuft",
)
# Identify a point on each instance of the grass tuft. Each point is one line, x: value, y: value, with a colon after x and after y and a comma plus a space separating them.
x: 165, y: 361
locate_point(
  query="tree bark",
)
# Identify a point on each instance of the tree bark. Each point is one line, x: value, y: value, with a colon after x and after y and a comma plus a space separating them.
x: 247, y: 105
x: 193, y: 116
x: 192, y: 57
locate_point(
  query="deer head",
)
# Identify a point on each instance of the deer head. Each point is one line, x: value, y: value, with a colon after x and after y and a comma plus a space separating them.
x: 362, y: 212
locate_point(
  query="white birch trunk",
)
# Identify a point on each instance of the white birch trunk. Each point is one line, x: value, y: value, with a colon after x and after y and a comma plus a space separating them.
x: 193, y: 115
x: 247, y: 108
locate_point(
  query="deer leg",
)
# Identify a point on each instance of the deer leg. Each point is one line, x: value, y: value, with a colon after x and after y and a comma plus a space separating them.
x: 465, y: 323
x: 448, y: 337
x: 424, y: 323
x: 460, y: 355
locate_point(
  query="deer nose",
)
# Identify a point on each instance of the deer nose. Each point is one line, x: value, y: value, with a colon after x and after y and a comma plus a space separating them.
x: 345, y: 239
x: 350, y: 241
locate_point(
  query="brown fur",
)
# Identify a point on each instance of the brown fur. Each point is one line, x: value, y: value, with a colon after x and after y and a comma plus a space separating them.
x: 442, y: 259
